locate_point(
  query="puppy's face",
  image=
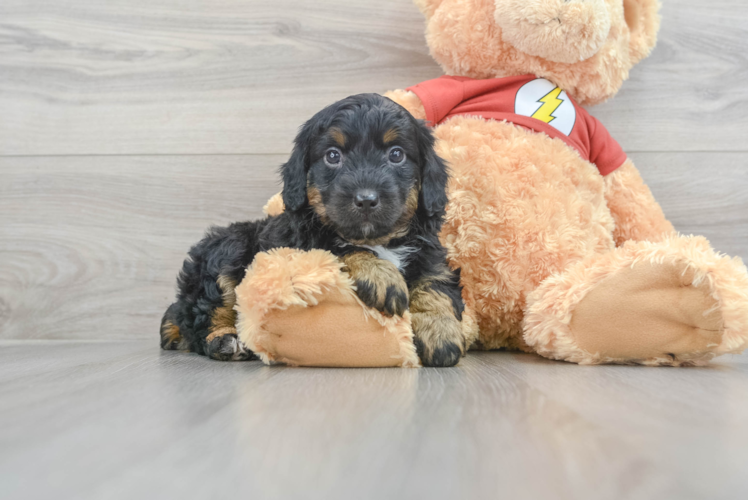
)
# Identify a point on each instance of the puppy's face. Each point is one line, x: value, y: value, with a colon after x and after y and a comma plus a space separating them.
x: 364, y: 177
x: 367, y: 166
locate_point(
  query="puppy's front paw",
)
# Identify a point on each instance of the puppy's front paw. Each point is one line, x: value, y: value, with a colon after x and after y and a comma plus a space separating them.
x: 437, y: 332
x: 438, y: 339
x: 442, y: 356
x: 378, y: 283
x: 393, y: 302
x: 228, y: 347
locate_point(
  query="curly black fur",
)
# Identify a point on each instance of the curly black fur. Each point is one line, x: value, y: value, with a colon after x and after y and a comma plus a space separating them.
x: 322, y: 212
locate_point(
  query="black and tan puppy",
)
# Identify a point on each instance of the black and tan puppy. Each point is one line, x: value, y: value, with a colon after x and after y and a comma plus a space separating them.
x: 364, y: 183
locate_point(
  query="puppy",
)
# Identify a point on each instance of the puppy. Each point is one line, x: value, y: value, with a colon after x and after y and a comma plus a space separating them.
x: 364, y: 183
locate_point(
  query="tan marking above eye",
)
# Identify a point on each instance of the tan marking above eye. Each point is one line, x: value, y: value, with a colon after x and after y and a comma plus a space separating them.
x: 390, y: 135
x: 338, y: 136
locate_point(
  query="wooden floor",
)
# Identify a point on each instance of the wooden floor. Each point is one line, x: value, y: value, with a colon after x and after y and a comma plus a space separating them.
x: 122, y: 420
x: 129, y: 126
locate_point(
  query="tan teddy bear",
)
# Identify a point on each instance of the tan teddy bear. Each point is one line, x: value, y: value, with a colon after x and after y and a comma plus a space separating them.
x: 562, y: 248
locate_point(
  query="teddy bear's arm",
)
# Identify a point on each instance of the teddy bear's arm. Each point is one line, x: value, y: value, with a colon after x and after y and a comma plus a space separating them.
x: 637, y: 214
x: 409, y: 101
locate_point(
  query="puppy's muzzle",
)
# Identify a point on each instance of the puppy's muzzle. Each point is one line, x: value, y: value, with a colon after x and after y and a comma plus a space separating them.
x: 366, y: 200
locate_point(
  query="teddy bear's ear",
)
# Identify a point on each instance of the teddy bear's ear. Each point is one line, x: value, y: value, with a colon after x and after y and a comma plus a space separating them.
x: 428, y: 7
x: 643, y: 20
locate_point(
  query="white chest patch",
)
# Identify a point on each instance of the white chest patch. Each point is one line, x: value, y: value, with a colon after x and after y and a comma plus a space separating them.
x: 544, y: 101
x: 398, y: 255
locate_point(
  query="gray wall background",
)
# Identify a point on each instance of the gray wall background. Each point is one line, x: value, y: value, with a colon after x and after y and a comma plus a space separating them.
x: 129, y: 126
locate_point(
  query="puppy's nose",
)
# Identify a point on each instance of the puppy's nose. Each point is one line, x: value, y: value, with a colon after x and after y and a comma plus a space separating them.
x: 366, y: 199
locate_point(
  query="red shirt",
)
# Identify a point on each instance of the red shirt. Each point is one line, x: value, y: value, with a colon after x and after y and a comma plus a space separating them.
x: 527, y: 101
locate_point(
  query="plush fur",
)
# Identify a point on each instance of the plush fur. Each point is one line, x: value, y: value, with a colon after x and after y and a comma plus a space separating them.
x: 722, y: 281
x: 537, y: 232
x: 285, y: 284
x: 363, y: 180
x: 477, y: 38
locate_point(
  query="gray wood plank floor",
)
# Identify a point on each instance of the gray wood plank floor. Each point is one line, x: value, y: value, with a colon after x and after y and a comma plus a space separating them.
x: 122, y: 420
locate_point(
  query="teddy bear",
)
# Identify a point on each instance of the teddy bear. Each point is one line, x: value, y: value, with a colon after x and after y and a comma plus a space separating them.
x: 562, y: 248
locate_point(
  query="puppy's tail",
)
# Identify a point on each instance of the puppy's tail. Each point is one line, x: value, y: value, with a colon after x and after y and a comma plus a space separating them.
x: 171, y: 339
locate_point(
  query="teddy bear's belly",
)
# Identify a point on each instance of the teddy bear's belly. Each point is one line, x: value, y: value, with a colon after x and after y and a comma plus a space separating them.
x: 522, y: 207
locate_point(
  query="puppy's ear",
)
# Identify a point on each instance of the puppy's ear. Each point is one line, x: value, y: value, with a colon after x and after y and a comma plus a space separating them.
x: 434, y: 174
x: 294, y: 171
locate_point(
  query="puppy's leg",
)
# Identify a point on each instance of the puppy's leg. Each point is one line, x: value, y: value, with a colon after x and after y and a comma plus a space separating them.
x: 171, y: 337
x: 436, y: 307
x: 378, y: 283
x: 222, y: 342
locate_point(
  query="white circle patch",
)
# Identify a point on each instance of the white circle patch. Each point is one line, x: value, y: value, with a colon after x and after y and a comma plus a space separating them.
x: 544, y: 101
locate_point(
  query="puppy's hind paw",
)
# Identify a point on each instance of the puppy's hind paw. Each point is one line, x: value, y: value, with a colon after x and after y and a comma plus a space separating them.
x: 228, y: 347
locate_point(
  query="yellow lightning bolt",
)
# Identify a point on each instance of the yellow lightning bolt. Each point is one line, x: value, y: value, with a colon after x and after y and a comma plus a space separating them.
x: 551, y: 102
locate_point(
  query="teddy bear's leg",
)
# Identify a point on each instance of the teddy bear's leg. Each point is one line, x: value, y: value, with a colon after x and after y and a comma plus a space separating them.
x: 299, y: 308
x: 675, y: 302
x: 635, y: 211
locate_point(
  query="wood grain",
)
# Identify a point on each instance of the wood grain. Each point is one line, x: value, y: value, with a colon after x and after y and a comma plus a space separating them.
x: 92, y: 252
x: 702, y: 193
x: 231, y: 76
x: 688, y: 95
x: 90, y: 246
x: 225, y: 76
x: 124, y: 420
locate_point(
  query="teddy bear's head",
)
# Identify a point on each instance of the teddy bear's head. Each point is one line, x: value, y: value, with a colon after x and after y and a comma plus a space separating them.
x: 584, y: 46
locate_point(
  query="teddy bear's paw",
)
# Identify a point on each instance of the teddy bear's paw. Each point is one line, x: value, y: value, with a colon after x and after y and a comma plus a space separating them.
x: 650, y: 311
x: 379, y: 284
x: 228, y: 348
x: 675, y: 303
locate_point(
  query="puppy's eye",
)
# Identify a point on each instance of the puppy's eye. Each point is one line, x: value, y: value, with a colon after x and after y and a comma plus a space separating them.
x: 333, y: 157
x: 397, y: 155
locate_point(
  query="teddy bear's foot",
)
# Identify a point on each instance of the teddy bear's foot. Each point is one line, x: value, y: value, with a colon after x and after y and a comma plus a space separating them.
x: 649, y: 311
x: 675, y: 303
